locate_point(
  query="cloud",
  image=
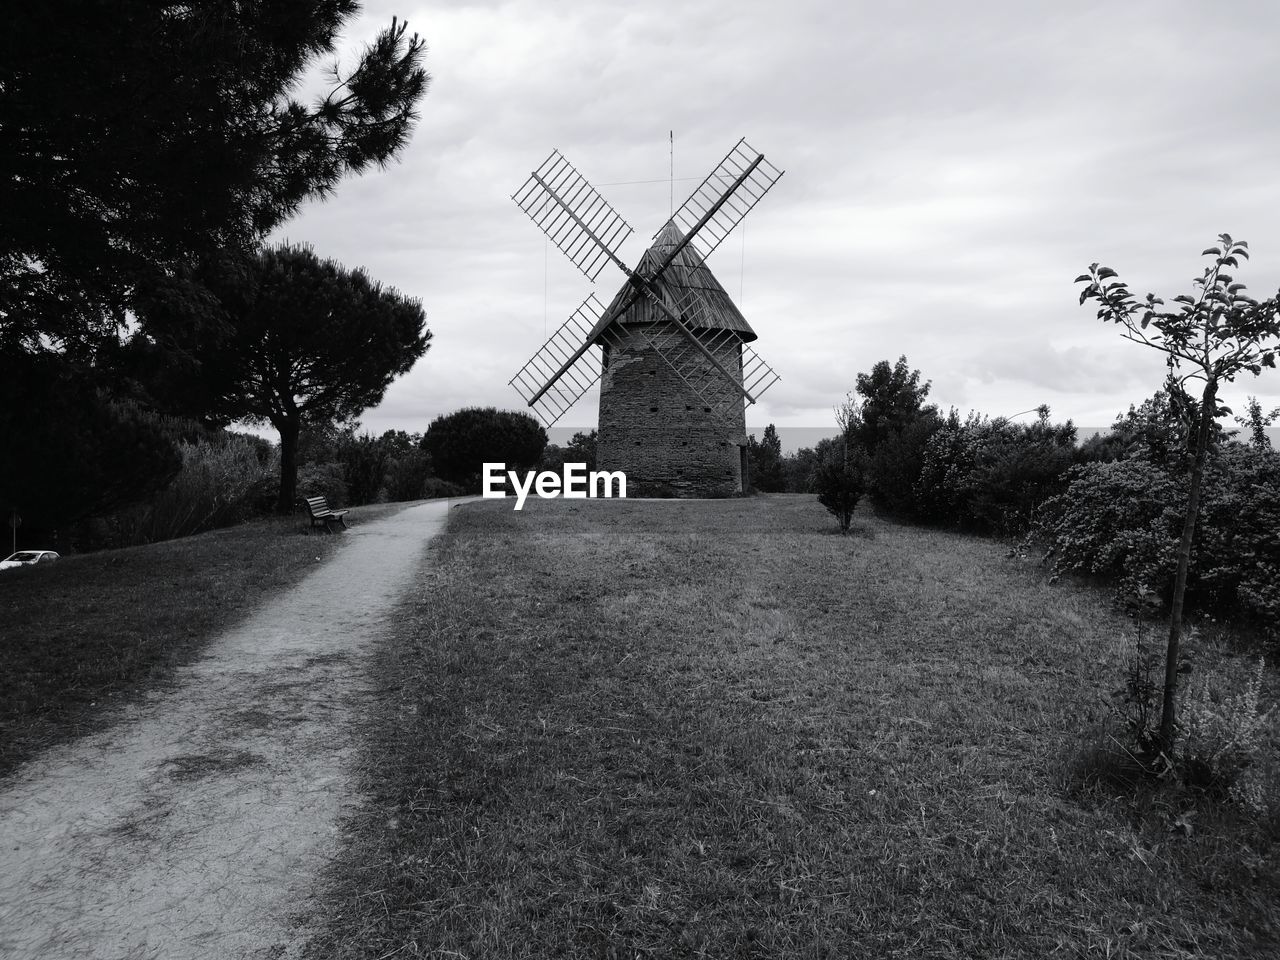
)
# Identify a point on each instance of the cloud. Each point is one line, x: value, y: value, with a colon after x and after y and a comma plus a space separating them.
x: 950, y: 169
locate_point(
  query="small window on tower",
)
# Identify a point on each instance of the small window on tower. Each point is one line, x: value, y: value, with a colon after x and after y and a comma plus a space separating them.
x: 706, y: 409
x: 653, y: 409
x: 688, y: 406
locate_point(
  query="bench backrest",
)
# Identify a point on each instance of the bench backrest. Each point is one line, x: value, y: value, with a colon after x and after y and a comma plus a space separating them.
x: 318, y: 505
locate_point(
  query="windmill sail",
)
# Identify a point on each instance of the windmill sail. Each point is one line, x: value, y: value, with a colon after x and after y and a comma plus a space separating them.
x: 725, y: 197
x: 569, y: 210
x: 549, y: 395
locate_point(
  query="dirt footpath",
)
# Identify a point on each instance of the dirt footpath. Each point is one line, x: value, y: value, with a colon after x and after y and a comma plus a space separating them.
x: 196, y: 826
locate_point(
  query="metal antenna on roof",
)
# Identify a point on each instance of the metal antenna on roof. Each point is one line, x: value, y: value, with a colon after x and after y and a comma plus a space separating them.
x: 671, y: 208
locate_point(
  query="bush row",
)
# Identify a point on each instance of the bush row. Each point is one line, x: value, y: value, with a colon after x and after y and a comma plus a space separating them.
x: 1111, y: 508
x: 1122, y: 521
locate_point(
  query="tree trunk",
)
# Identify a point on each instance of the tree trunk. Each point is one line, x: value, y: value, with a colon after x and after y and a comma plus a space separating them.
x: 289, y: 430
x: 1168, y: 715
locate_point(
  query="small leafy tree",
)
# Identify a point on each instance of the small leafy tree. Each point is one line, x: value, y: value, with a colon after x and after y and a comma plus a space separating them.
x: 839, y: 481
x: 1212, y: 336
x: 1257, y: 422
x: 839, y: 478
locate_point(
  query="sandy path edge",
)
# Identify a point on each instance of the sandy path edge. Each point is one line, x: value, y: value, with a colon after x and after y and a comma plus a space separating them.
x: 197, y: 827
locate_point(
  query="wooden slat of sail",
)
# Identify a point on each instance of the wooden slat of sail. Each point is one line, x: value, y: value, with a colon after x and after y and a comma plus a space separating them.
x: 757, y: 376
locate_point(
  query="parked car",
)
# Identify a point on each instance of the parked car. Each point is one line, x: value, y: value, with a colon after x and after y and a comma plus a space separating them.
x: 25, y: 558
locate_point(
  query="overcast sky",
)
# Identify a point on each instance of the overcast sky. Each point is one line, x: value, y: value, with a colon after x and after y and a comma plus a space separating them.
x: 950, y: 168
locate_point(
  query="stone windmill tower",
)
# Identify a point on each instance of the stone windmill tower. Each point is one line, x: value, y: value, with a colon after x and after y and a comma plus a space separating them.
x: 673, y: 359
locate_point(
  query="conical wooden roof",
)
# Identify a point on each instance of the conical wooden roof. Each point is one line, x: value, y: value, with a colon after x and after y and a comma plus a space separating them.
x: 687, y: 272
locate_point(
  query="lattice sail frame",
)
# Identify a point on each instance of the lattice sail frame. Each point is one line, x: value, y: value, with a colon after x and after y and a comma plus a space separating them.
x: 757, y: 376
x: 712, y: 211
x: 564, y: 391
x: 583, y: 225
x: 569, y: 210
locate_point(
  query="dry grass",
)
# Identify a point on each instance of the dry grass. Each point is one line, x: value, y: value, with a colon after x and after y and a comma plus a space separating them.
x: 87, y: 633
x: 718, y: 730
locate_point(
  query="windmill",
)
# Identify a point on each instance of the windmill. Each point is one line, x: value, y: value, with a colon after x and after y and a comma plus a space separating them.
x: 673, y: 359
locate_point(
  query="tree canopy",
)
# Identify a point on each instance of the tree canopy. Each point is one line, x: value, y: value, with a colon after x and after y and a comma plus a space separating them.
x: 765, y: 461
x: 282, y: 337
x: 70, y: 451
x: 137, y: 135
x: 460, y: 443
x: 892, y: 399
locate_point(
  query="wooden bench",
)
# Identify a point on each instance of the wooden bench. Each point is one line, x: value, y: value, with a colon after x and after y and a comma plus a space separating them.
x: 322, y: 516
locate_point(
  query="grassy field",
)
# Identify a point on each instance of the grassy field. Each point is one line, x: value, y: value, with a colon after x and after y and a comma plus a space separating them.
x: 718, y: 729
x: 84, y: 634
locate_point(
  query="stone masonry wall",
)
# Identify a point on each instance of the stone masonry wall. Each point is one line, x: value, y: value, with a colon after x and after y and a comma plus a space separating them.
x: 656, y: 430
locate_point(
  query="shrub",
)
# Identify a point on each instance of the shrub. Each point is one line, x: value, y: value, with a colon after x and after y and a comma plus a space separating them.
x: 407, y: 474
x: 1118, y: 520
x: 461, y: 442
x: 896, y: 464
x: 1122, y: 521
x: 434, y: 487
x: 839, y: 481
x: 581, y: 448
x: 798, y: 469
x: 1020, y: 468
x: 364, y: 463
x: 1224, y: 735
x: 323, y: 480
x: 218, y: 484
x: 991, y: 475
x: 940, y: 492
x: 1226, y: 745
